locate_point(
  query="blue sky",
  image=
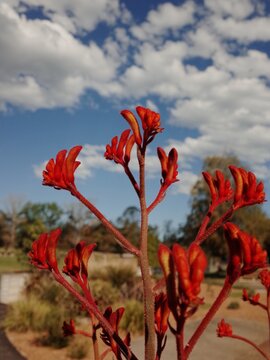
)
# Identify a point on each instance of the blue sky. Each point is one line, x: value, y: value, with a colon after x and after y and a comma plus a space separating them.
x: 67, y: 68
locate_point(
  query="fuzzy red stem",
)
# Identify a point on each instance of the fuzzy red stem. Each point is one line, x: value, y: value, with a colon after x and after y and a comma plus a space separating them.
x: 121, y: 239
x: 238, y: 337
x: 132, y: 179
x: 209, y: 316
x: 144, y: 266
x: 89, y: 304
x: 213, y: 228
x: 160, y: 197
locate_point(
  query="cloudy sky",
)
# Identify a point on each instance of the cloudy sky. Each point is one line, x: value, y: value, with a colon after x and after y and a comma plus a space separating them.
x: 68, y: 67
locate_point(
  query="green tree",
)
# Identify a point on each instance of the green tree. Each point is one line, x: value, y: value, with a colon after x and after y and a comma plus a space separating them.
x: 36, y: 219
x: 251, y: 219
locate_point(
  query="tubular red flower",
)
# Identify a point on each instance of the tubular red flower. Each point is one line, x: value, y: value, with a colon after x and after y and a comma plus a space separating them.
x: 246, y: 253
x: 247, y: 191
x: 43, y: 252
x: 114, y: 318
x: 131, y: 119
x: 150, y: 123
x: 167, y: 265
x: 169, y: 166
x: 60, y: 173
x: 220, y: 188
x: 69, y: 328
x: 162, y: 313
x: 190, y: 266
x: 120, y: 152
x: 76, y: 262
x: 264, y: 276
x: 224, y: 329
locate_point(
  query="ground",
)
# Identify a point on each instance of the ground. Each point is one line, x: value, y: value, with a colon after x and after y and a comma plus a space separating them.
x: 247, y: 320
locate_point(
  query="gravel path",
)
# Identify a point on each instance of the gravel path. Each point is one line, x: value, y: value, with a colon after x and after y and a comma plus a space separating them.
x: 7, y: 350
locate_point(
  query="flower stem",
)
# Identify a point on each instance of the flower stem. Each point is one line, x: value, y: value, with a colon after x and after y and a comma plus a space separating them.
x: 145, y: 269
x: 250, y: 343
x: 209, y: 316
x: 121, y: 239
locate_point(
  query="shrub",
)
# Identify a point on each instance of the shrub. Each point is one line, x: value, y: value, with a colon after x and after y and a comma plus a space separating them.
x: 233, y: 305
x: 27, y: 314
x: 133, y: 317
x: 120, y: 275
x: 104, y: 293
x: 78, y: 348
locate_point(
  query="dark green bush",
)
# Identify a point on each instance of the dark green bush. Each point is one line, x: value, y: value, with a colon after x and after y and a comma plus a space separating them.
x: 233, y: 305
x: 104, y: 293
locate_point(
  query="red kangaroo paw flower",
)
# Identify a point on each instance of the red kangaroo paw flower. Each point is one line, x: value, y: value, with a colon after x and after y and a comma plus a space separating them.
x: 120, y: 152
x: 253, y: 300
x: 246, y: 253
x: 76, y: 262
x: 247, y: 191
x: 224, y: 329
x: 220, y: 188
x: 150, y: 123
x: 190, y: 266
x: 69, y: 328
x: 264, y: 276
x: 167, y: 265
x: 128, y: 115
x: 60, y: 173
x: 114, y: 318
x: 162, y: 313
x: 169, y: 166
x: 43, y: 252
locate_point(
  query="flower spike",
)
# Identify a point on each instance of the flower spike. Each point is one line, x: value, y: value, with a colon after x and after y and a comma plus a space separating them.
x: 247, y: 191
x: 60, y: 173
x: 43, y: 252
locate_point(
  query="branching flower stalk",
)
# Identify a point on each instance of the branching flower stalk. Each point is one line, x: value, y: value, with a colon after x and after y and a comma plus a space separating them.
x: 171, y: 302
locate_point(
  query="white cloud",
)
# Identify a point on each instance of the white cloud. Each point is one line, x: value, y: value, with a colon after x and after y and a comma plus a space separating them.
x: 42, y: 65
x: 235, y: 8
x: 166, y: 17
x: 77, y: 15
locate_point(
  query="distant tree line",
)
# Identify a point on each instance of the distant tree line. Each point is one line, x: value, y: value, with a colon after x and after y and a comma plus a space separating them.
x: 21, y: 224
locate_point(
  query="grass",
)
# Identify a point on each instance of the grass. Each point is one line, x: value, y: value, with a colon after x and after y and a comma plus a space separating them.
x: 10, y: 263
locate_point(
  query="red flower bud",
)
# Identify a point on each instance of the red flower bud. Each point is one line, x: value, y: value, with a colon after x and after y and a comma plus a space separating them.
x: 43, y: 252
x: 150, y: 123
x: 60, y: 173
x: 162, y: 313
x: 169, y: 166
x: 224, y: 329
x: 69, y: 329
x: 128, y: 115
